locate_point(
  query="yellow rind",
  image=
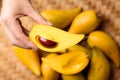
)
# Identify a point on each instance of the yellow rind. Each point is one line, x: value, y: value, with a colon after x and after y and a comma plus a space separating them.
x: 29, y: 58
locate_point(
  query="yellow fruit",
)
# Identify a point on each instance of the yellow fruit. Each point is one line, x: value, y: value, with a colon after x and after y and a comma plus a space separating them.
x: 84, y: 22
x: 29, y: 58
x: 99, y: 66
x: 105, y: 43
x: 46, y: 36
x: 47, y: 72
x: 60, y: 18
x: 80, y: 48
x: 73, y: 77
x: 68, y: 63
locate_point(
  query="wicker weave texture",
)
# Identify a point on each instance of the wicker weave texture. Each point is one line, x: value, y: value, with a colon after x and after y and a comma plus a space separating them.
x: 12, y: 69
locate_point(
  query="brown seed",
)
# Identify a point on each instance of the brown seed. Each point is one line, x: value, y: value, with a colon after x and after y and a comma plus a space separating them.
x: 47, y: 43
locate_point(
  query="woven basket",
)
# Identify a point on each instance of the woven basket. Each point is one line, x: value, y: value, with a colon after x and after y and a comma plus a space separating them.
x: 12, y: 69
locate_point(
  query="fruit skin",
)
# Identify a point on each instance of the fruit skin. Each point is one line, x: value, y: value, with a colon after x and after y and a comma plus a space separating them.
x: 29, y: 58
x: 79, y: 76
x: 104, y: 42
x: 47, y: 72
x: 99, y: 66
x: 68, y: 63
x: 27, y: 22
x: 85, y: 22
x: 62, y: 38
x: 60, y: 18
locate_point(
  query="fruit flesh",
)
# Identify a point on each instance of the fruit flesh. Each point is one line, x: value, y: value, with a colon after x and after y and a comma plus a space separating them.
x: 68, y: 63
x: 62, y: 38
x: 47, y: 72
x: 80, y: 48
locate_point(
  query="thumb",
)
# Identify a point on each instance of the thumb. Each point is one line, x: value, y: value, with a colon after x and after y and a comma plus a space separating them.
x: 38, y: 18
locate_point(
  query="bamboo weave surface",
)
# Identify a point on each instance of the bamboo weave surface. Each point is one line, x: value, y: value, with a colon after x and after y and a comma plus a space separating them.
x: 12, y: 69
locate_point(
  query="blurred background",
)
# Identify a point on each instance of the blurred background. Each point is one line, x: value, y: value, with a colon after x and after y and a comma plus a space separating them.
x: 12, y: 69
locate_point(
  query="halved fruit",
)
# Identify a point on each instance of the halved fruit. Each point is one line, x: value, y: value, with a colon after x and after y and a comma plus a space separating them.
x: 52, y: 39
x: 47, y: 72
x: 68, y: 63
x: 78, y: 47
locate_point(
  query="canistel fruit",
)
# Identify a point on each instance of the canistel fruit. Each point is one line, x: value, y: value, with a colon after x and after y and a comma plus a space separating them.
x: 60, y: 18
x: 47, y: 72
x: 84, y: 22
x: 105, y: 42
x: 55, y: 37
x: 29, y: 58
x: 78, y: 76
x: 99, y: 66
x: 68, y: 63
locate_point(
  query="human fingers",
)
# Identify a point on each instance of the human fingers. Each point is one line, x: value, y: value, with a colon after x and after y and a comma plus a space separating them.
x: 9, y: 34
x: 20, y: 34
x: 38, y: 18
x: 11, y: 37
x: 16, y: 34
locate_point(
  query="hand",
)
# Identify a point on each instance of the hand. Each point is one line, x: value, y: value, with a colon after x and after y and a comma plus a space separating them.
x: 11, y: 11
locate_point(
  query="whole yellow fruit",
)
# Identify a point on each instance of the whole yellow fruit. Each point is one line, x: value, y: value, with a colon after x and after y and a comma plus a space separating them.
x: 99, y: 66
x: 60, y: 18
x: 104, y: 42
x: 29, y: 58
x: 84, y: 22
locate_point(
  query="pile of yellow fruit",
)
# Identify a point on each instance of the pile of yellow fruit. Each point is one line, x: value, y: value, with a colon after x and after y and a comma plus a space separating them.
x: 65, y: 57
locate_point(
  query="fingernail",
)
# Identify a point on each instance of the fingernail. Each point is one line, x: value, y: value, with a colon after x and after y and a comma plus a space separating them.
x: 49, y: 23
x: 33, y: 46
x: 35, y: 49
